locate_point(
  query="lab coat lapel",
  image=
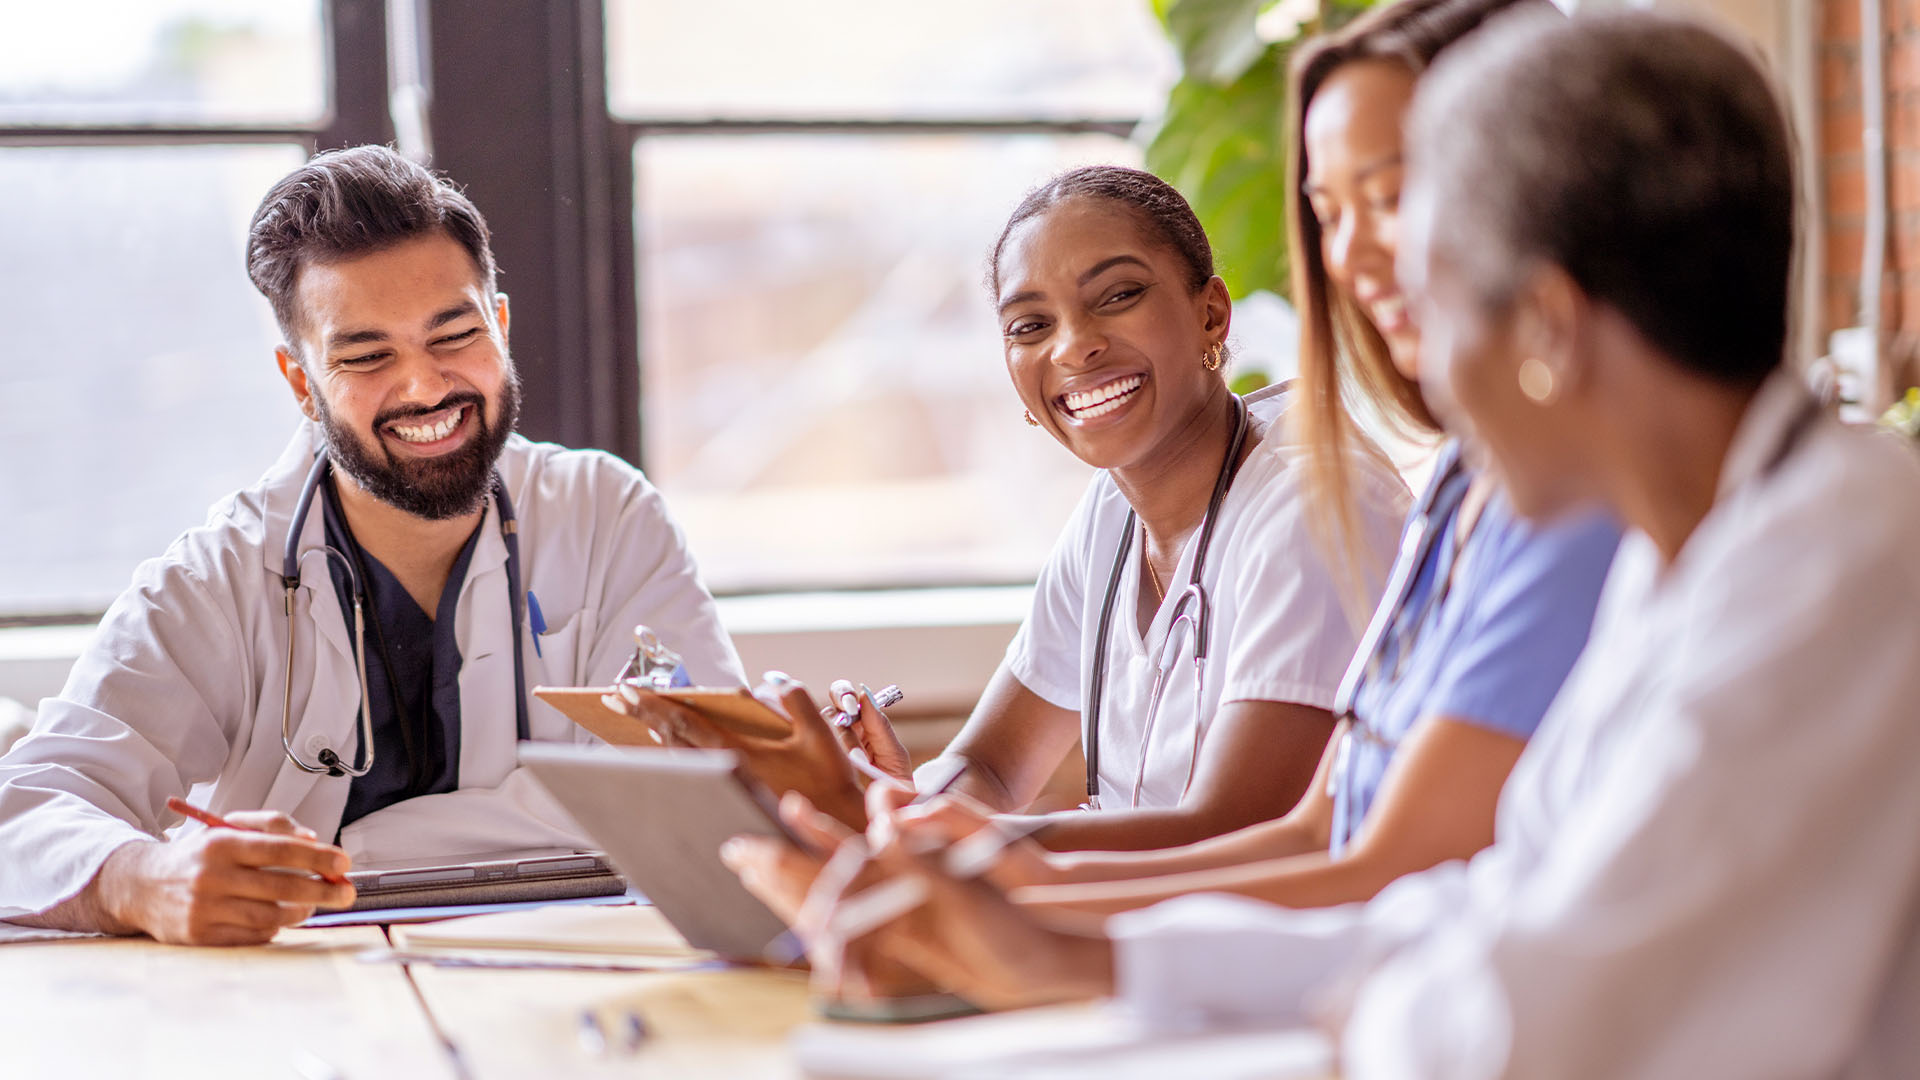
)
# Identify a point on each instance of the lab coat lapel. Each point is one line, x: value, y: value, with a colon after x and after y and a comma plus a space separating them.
x: 483, y: 625
x: 279, y: 506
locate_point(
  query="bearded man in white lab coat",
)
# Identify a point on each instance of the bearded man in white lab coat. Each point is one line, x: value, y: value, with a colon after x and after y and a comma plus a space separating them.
x: 382, y: 280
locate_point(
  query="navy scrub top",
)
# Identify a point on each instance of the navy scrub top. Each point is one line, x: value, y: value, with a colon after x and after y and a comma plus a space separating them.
x: 417, y: 752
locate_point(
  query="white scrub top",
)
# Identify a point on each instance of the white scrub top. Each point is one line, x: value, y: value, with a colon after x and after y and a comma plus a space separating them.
x: 1707, y: 861
x: 1280, y: 631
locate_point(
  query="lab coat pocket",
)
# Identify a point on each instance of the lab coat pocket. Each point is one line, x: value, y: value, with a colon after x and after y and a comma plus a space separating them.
x: 560, y: 656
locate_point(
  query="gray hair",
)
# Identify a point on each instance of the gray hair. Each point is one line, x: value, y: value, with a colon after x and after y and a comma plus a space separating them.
x: 1645, y: 155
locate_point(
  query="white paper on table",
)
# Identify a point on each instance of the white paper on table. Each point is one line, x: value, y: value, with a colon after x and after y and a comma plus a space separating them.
x: 1055, y: 1043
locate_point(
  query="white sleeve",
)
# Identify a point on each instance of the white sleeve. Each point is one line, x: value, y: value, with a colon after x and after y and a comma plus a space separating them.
x: 1294, y: 631
x: 1046, y: 652
x: 649, y: 576
x: 1726, y: 898
x: 140, y: 719
x: 1213, y: 961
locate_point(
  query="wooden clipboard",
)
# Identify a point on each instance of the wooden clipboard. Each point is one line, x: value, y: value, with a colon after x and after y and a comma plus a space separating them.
x: 735, y: 709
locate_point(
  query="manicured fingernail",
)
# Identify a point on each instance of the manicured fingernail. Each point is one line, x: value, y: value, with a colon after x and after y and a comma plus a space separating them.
x: 612, y: 703
x: 732, y: 853
x: 630, y: 692
x: 777, y: 678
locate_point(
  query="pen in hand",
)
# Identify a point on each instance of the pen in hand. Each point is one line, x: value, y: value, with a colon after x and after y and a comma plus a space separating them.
x: 884, y: 698
x: 212, y: 820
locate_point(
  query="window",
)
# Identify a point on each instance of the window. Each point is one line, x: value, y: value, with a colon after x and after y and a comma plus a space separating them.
x: 816, y: 187
x: 745, y: 243
x: 1061, y: 60
x: 181, y: 62
x: 137, y: 385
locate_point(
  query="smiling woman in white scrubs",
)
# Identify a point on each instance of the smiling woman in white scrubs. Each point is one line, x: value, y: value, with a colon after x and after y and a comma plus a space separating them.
x: 1114, y: 328
x: 1708, y: 861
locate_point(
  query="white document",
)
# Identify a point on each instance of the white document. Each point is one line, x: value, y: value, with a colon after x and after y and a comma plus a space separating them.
x: 1056, y: 1043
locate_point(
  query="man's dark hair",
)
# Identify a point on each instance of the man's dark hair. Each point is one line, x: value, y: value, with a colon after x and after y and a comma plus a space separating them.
x: 1645, y: 155
x: 1161, y: 211
x: 352, y: 202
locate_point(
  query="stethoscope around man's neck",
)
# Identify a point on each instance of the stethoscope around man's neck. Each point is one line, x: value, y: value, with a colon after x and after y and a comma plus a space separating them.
x: 1198, y: 622
x: 327, y: 761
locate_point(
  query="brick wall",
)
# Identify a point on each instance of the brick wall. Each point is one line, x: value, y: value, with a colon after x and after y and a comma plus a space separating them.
x: 1844, y: 184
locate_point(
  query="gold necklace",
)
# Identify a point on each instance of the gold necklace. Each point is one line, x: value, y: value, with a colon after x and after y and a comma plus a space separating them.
x: 1146, y: 556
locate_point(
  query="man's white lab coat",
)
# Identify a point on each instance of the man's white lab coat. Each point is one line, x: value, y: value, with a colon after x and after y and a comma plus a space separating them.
x: 182, y: 686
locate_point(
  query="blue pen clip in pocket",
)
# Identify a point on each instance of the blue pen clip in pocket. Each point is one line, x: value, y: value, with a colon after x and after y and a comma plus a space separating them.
x: 536, y: 620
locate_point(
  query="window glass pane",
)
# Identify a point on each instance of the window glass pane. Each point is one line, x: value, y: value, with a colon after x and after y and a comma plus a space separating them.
x: 180, y: 62
x: 886, y: 58
x: 137, y: 385
x: 824, y: 396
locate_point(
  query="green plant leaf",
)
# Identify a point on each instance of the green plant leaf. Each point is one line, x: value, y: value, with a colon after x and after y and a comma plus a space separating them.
x: 1215, y: 38
x: 1221, y: 146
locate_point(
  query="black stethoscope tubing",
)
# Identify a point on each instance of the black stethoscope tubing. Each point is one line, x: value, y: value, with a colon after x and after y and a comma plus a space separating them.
x: 329, y: 761
x: 1097, y: 680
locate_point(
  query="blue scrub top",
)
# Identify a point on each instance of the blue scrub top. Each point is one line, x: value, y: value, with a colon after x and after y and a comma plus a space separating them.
x: 1494, y: 648
x: 425, y: 677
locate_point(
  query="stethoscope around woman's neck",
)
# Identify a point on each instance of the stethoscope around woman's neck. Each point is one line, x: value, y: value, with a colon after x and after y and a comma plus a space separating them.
x: 1198, y: 622
x: 327, y: 761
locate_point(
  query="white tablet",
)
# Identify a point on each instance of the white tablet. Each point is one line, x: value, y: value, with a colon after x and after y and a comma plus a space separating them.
x: 661, y: 815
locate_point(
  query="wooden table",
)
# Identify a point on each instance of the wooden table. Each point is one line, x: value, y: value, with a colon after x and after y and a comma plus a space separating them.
x: 135, y: 1008
x: 307, y: 1006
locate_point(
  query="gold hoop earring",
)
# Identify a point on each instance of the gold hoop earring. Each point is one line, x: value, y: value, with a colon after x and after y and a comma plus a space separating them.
x: 1536, y: 380
x: 1028, y: 414
x: 1214, y: 357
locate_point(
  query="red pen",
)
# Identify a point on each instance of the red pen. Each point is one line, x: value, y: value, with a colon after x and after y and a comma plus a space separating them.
x: 207, y: 817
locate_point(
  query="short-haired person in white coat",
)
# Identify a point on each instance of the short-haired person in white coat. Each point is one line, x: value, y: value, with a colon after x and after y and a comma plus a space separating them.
x: 1707, y: 861
x: 464, y: 563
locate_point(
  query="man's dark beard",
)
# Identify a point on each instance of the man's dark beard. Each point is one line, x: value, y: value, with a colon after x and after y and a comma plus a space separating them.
x: 433, y: 488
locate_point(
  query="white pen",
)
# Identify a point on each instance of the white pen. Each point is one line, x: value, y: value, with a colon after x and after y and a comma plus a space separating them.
x: 857, y: 916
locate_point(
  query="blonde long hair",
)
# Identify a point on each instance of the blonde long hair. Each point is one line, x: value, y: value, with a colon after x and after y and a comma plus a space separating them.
x: 1343, y: 359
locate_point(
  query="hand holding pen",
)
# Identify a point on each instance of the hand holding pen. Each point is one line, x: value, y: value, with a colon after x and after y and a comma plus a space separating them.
x: 864, y: 730
x: 235, y: 883
x: 214, y: 821
x: 865, y: 888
